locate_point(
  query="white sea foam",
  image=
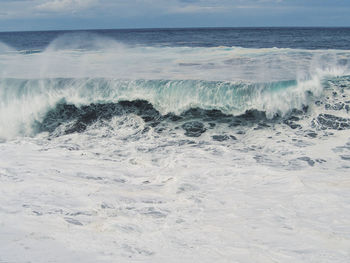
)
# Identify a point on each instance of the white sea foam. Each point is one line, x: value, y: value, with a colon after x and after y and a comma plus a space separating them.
x: 102, y: 197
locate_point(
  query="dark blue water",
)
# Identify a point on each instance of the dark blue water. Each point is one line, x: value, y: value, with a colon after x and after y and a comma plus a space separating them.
x: 303, y: 38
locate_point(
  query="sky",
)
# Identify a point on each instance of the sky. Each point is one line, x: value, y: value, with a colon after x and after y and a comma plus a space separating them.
x: 24, y: 15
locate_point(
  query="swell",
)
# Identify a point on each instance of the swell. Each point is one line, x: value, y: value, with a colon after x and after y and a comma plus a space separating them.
x: 24, y: 102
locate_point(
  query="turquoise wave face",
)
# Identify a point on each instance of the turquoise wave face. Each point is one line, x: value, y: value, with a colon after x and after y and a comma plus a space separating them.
x: 98, y: 104
x: 167, y: 96
x: 26, y: 101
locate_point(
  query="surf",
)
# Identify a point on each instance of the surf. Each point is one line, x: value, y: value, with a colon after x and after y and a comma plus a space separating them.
x: 86, y: 69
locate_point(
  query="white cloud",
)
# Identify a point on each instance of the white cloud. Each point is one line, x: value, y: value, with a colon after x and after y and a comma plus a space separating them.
x: 196, y: 9
x: 122, y: 8
x: 65, y: 5
x: 215, y: 6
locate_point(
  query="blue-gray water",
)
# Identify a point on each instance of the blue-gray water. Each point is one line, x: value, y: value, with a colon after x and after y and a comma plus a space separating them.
x: 303, y: 38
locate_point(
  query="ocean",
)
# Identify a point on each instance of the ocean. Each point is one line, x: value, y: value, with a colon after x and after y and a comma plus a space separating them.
x: 175, y: 145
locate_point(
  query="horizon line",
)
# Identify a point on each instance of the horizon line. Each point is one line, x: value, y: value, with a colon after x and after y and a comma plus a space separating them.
x: 178, y: 28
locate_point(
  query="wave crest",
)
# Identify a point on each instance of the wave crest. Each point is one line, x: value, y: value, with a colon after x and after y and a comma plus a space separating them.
x: 26, y: 101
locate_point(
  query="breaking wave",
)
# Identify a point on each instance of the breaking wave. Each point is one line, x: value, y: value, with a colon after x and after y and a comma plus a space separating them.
x: 87, y: 71
x: 24, y: 102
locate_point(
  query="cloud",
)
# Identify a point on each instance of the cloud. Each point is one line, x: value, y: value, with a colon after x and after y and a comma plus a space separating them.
x: 168, y: 13
x: 65, y: 5
x: 121, y: 8
x: 215, y: 6
x: 196, y: 9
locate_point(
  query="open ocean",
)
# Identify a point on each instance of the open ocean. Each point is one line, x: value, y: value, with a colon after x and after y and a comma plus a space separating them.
x: 175, y: 145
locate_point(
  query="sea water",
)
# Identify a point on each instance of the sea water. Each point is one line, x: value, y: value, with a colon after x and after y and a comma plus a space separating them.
x: 175, y: 145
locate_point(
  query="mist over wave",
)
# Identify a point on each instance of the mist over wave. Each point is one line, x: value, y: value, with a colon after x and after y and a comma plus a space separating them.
x: 86, y: 55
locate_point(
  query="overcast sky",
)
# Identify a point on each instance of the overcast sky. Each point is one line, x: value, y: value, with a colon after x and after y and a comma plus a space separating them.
x: 18, y: 15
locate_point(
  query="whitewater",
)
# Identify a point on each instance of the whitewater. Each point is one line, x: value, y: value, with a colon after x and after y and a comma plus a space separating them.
x: 113, y: 151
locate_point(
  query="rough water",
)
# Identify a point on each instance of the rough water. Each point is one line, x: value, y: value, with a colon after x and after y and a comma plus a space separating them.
x: 217, y: 145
